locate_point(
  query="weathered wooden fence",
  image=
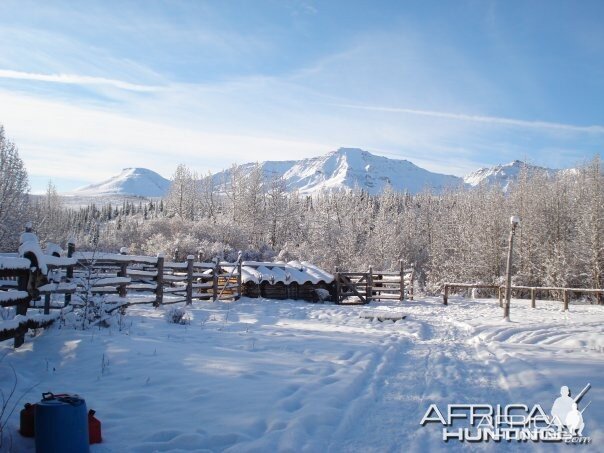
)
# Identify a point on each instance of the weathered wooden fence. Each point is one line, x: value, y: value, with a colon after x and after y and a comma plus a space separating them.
x: 374, y: 285
x: 563, y: 293
x: 15, y: 278
x: 130, y: 279
x: 170, y: 282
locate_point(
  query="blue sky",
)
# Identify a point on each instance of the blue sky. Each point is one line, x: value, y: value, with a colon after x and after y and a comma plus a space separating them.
x: 88, y: 88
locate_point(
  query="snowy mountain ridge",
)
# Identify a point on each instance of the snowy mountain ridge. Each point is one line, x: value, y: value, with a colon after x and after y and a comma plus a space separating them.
x: 349, y: 168
x: 343, y: 169
x: 503, y: 175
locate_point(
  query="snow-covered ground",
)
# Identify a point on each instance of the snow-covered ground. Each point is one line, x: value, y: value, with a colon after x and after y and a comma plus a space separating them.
x: 263, y: 375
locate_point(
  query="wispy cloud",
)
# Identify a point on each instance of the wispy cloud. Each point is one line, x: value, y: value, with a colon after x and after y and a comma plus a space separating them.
x: 594, y: 129
x: 74, y: 79
x: 70, y: 139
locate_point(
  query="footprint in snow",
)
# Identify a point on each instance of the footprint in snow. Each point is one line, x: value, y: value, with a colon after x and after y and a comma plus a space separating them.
x: 163, y: 436
x: 290, y: 405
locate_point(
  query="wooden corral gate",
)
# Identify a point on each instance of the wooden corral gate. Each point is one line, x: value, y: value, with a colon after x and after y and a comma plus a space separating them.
x: 363, y: 287
x: 353, y: 284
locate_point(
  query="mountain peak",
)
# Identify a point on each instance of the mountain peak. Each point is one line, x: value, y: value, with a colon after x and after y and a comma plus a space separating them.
x: 350, y: 168
x: 503, y: 174
x: 516, y: 163
x: 351, y: 152
x: 135, y: 181
x: 137, y: 171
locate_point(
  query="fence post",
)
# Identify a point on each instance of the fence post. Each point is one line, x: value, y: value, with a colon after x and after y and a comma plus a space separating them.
x: 190, y: 259
x: 533, y: 302
x: 123, y: 273
x: 47, y: 304
x: 402, y: 283
x: 69, y: 270
x: 21, y: 308
x: 446, y: 295
x: 338, y: 288
x: 159, y: 290
x: 239, y: 286
x: 412, y: 283
x: 369, y: 287
x: 500, y: 298
x: 566, y: 297
x: 215, y: 279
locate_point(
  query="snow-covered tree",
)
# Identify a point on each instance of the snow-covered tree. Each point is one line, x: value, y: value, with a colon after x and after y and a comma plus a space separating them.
x: 49, y: 217
x: 183, y: 196
x: 14, y: 187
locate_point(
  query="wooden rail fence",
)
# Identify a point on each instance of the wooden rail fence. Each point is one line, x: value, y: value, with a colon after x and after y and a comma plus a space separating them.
x: 374, y: 285
x: 564, y: 292
x: 130, y: 279
x: 170, y: 281
x: 14, y: 279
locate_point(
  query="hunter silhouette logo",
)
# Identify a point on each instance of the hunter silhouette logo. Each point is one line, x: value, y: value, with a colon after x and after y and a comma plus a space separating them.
x: 513, y: 422
x: 566, y: 413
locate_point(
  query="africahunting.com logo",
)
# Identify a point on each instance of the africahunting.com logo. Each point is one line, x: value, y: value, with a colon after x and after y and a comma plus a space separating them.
x: 513, y: 422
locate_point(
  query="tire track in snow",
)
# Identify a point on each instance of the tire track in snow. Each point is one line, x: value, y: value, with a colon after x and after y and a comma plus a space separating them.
x: 369, y: 394
x: 439, y: 367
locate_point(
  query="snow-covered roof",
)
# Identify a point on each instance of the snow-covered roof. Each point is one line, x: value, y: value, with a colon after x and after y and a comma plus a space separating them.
x: 318, y: 272
x: 293, y: 272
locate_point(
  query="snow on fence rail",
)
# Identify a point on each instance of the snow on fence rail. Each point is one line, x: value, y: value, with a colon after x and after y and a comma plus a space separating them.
x: 15, y: 270
x: 563, y: 292
x: 17, y: 327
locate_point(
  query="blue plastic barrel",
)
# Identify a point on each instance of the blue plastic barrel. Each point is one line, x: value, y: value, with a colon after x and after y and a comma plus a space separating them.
x: 61, y: 424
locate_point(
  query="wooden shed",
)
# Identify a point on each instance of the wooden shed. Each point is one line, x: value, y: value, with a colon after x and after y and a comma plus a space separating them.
x: 293, y: 280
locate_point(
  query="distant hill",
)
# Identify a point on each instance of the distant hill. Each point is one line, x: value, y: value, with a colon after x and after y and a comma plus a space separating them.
x: 139, y: 182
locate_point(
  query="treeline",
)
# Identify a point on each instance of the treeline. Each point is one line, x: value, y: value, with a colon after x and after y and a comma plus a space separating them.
x: 460, y: 235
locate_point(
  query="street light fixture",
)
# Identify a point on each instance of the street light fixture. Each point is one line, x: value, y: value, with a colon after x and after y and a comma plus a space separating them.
x: 514, y: 222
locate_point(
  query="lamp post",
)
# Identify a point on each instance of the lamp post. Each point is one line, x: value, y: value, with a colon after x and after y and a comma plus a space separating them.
x: 514, y: 222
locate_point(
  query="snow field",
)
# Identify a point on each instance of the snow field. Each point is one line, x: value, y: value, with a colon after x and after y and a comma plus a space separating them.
x: 263, y: 375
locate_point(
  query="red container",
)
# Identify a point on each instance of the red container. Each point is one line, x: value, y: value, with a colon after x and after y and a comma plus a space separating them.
x: 94, y: 428
x: 27, y: 421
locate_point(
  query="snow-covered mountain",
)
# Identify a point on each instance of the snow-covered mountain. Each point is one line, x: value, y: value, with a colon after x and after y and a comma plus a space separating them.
x: 503, y: 175
x: 131, y: 181
x: 344, y: 169
x: 349, y: 168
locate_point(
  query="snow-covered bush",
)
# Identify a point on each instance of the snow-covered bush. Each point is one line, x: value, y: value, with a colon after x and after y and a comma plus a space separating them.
x: 89, y: 311
x: 178, y: 315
